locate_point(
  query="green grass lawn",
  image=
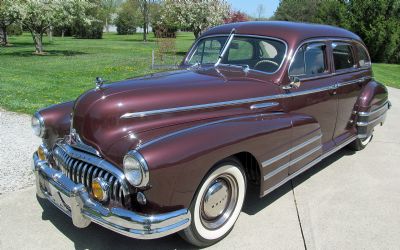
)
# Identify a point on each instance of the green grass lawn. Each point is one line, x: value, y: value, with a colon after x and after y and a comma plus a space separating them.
x: 389, y: 74
x: 29, y: 82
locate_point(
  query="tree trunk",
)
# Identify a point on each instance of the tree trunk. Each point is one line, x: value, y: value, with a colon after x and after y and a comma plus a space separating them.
x: 107, y: 29
x: 196, y: 32
x: 145, y: 17
x: 3, y: 36
x: 38, y: 40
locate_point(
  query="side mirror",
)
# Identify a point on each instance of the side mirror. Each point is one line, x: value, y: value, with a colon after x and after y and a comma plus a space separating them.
x: 294, y: 83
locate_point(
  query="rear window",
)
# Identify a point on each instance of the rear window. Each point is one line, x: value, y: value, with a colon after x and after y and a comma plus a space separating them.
x: 363, y: 58
x: 343, y: 56
x: 309, y: 60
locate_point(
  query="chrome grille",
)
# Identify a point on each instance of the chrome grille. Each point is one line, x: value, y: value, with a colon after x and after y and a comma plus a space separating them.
x: 83, y: 168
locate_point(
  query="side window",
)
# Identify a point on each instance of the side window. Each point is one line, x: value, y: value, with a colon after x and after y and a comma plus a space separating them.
x: 208, y: 51
x: 363, y: 58
x: 343, y: 56
x: 309, y: 60
x: 240, y: 49
x: 267, y: 50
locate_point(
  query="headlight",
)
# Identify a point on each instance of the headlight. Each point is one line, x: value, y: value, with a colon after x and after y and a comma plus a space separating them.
x: 135, y: 169
x: 38, y: 125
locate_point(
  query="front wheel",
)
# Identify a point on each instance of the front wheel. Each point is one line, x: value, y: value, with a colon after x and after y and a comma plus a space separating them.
x: 217, y: 204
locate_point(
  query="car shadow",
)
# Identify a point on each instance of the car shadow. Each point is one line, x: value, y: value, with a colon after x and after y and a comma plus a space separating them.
x: 97, y: 237
x: 254, y: 203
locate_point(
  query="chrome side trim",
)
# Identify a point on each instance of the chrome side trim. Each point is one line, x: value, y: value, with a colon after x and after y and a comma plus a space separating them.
x: 292, y: 162
x: 385, y: 105
x: 290, y: 151
x: 264, y: 105
x: 309, y: 165
x: 200, y: 106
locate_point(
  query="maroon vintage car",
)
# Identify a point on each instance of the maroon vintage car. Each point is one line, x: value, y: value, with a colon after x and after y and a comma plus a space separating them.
x: 255, y: 103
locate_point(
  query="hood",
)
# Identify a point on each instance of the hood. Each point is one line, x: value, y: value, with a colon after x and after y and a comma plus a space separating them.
x: 97, y: 113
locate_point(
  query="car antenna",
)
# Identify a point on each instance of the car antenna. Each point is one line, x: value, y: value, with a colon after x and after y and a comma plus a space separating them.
x: 226, y: 46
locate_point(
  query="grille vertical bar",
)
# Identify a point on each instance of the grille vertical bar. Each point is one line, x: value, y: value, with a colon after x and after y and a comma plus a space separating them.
x: 84, y: 173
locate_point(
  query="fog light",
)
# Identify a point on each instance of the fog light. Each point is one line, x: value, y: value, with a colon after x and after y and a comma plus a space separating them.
x: 42, y: 153
x: 100, y: 189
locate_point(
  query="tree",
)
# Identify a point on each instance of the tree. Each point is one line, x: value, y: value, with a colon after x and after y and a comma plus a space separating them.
x: 196, y: 15
x: 39, y: 15
x: 236, y: 16
x: 109, y: 7
x: 9, y: 13
x: 377, y: 22
x: 128, y: 18
x: 260, y: 11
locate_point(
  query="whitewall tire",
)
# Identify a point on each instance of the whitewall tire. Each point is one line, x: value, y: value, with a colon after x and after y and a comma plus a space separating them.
x: 217, y: 204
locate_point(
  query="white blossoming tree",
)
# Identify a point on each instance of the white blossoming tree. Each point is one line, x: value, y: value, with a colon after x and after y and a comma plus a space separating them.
x: 9, y: 13
x: 197, y: 15
x: 39, y: 15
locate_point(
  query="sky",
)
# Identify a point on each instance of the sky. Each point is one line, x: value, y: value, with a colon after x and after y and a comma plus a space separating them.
x: 250, y: 6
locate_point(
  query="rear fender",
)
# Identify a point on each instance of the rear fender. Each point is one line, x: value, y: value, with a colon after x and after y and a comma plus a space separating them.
x: 371, y: 108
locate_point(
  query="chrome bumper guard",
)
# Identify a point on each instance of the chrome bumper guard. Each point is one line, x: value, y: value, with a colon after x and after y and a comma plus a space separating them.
x: 74, y: 200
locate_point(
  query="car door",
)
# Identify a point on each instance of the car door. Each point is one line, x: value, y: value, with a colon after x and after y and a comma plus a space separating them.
x: 351, y: 76
x: 314, y: 95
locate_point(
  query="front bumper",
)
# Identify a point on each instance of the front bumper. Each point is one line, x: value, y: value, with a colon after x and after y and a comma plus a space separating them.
x: 74, y: 200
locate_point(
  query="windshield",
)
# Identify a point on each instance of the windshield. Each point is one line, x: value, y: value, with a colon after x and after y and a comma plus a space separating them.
x: 263, y: 54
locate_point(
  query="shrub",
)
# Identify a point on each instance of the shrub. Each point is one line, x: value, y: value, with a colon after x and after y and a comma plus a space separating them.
x: 14, y: 30
x: 163, y: 31
x: 126, y: 23
x: 94, y: 30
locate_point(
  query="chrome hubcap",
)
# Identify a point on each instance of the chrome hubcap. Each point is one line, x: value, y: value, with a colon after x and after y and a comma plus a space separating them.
x: 219, y: 201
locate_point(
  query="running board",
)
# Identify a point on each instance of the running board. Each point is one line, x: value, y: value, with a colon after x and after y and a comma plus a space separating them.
x: 309, y: 165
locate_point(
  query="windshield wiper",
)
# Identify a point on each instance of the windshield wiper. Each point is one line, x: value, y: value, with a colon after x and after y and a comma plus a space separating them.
x: 226, y: 46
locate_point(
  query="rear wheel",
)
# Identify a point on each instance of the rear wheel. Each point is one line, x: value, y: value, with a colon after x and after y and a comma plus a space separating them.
x: 217, y: 204
x: 361, y: 143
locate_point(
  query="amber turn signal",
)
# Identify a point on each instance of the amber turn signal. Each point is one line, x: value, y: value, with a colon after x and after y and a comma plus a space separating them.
x: 41, y: 153
x: 100, y: 189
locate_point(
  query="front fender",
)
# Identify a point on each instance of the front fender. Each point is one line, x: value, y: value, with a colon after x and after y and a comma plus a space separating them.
x: 57, y: 121
x: 180, y: 160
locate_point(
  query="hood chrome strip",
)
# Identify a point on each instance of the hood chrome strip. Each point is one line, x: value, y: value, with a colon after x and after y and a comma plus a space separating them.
x: 201, y: 106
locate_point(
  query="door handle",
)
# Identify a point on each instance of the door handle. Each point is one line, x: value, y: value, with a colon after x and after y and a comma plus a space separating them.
x: 334, y: 88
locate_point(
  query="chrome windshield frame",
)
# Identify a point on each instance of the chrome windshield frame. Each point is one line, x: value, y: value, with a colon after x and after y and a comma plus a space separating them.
x: 192, y: 49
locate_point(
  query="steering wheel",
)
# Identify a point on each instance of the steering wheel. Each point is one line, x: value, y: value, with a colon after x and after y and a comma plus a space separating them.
x: 265, y: 61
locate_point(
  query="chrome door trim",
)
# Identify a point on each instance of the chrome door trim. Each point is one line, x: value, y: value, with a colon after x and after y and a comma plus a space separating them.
x: 292, y: 162
x: 264, y: 105
x: 233, y: 102
x: 290, y: 151
x: 309, y: 165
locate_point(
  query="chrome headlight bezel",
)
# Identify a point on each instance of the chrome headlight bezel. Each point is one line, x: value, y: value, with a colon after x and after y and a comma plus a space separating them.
x: 37, y: 124
x: 135, y: 169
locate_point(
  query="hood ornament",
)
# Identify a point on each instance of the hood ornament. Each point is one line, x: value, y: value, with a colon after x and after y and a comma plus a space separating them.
x: 99, y: 82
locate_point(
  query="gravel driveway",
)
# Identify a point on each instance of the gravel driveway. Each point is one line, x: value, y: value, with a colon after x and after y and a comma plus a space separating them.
x: 17, y: 143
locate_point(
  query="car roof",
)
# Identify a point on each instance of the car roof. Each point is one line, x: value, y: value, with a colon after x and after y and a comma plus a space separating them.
x: 290, y: 32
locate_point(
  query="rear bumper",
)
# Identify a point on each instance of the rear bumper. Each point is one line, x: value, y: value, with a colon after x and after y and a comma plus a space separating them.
x: 74, y: 200
x: 368, y: 120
